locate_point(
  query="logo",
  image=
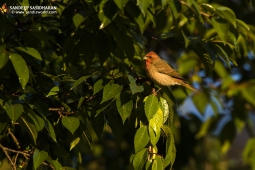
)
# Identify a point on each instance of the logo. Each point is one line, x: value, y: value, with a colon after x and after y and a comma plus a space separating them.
x: 4, y: 8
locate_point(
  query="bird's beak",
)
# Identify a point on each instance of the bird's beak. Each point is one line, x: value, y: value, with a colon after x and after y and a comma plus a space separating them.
x: 145, y: 58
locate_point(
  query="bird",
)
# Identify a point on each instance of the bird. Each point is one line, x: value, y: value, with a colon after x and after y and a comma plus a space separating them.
x: 163, y: 74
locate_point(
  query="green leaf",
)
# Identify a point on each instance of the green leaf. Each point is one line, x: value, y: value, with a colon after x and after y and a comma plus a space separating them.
x: 223, y: 55
x: 80, y: 16
x: 174, y: 7
x: 124, y: 105
x: 111, y: 90
x: 167, y: 112
x: 221, y: 26
x: 140, y: 159
x: 121, y: 3
x: 74, y: 143
x: 51, y: 131
x: 98, y: 86
x: 107, y: 12
x: 31, y: 51
x: 141, y: 138
x: 151, y: 106
x: 14, y: 111
x: 39, y: 157
x: 42, y: 108
x: 204, y: 128
x: 133, y: 87
x: 21, y: 69
x: 157, y: 121
x: 3, y: 59
x: 29, y: 126
x: 201, y: 101
x: 170, y: 150
x: 71, y: 123
x: 208, y: 8
x: 38, y: 121
x: 53, y: 91
x: 79, y: 81
x: 154, y: 137
x: 186, y: 40
x: 144, y: 4
x: 157, y: 163
x: 227, y: 14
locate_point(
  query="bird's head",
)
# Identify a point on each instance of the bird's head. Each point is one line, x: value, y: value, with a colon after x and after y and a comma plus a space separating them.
x: 151, y: 57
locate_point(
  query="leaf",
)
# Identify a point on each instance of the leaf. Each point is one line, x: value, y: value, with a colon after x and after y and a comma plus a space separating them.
x: 31, y: 51
x: 157, y: 121
x: 42, y: 108
x: 201, y: 101
x: 124, y: 105
x: 221, y: 26
x: 51, y: 131
x: 81, y: 16
x: 71, y: 123
x: 79, y: 81
x: 98, y: 86
x: 223, y: 55
x: 38, y: 121
x: 144, y: 4
x: 111, y: 90
x: 141, y: 138
x: 157, y: 163
x: 174, y: 7
x: 167, y: 112
x: 227, y: 14
x: 21, y: 69
x: 39, y: 157
x: 154, y: 137
x: 14, y: 111
x: 140, y: 159
x: 170, y: 151
x: 208, y: 8
x: 107, y: 12
x: 29, y: 126
x: 133, y: 86
x: 3, y: 59
x: 74, y: 143
x: 121, y: 4
x: 151, y: 106
x: 53, y: 91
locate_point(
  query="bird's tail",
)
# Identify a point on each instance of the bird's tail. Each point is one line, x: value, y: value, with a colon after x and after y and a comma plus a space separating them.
x: 189, y: 86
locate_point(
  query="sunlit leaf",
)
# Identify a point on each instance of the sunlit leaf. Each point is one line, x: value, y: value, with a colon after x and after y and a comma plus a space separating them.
x: 39, y: 157
x: 227, y: 14
x: 53, y: 91
x: 151, y: 106
x: 31, y: 51
x: 140, y: 159
x: 141, y: 138
x: 74, y: 143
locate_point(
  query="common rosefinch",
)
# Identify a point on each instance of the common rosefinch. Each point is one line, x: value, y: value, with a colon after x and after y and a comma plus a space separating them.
x: 163, y: 74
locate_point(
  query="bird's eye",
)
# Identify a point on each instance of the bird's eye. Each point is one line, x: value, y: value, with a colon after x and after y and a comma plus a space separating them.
x: 149, y: 56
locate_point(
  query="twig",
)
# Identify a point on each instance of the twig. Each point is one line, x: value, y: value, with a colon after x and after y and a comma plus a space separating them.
x: 7, y: 155
x: 14, y: 138
x: 44, y: 163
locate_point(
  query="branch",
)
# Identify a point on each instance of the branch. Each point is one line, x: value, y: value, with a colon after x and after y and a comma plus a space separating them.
x: 14, y: 138
x: 8, y: 156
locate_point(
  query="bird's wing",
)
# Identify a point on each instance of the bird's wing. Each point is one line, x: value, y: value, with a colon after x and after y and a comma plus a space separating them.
x: 164, y: 68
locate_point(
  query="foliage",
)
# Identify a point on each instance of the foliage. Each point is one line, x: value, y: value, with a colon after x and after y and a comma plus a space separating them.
x: 69, y: 76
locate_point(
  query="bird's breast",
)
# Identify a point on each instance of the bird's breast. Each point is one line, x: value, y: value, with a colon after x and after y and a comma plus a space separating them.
x: 161, y: 79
